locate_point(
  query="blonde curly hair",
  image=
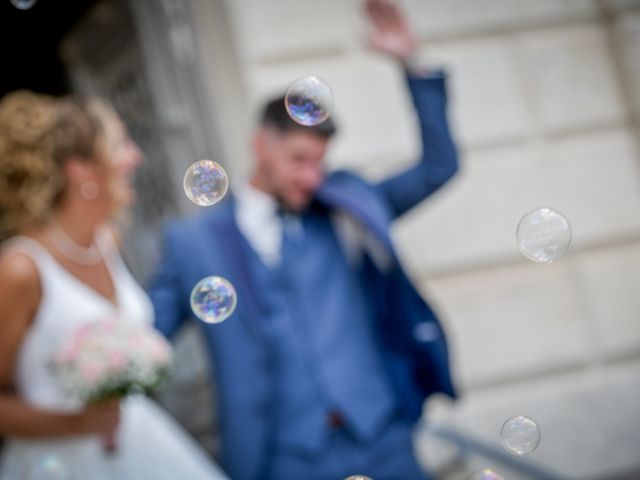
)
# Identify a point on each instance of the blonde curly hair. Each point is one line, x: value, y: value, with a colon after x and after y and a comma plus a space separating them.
x: 37, y: 134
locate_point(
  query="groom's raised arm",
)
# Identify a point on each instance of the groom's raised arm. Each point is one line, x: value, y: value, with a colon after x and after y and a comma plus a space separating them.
x: 439, y: 159
x: 392, y: 35
x: 166, y: 294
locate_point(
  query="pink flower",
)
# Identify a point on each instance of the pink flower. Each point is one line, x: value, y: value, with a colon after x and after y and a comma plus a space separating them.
x: 117, y: 361
x: 67, y: 355
x: 90, y: 371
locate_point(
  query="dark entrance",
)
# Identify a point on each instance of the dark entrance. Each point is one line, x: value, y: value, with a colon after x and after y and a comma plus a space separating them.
x: 29, y: 42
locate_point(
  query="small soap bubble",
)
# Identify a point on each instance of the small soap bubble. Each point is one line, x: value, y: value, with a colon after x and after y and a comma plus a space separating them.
x: 205, y: 183
x: 426, y: 332
x: 520, y: 435
x: 487, y: 474
x: 543, y: 235
x: 213, y: 299
x: 309, y: 101
x: 23, y: 4
x: 48, y: 467
x: 358, y: 477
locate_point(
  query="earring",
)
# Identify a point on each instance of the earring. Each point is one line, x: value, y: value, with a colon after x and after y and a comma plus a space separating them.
x: 89, y: 190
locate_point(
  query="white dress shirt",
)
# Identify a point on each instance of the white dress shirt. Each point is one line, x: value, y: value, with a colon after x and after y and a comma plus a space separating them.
x: 257, y: 218
x: 256, y: 214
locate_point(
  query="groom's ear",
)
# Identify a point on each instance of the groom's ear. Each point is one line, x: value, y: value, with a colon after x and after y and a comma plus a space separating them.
x: 258, y: 143
x: 264, y: 142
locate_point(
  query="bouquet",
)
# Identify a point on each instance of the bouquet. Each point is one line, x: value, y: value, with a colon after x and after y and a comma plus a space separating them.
x: 103, y: 360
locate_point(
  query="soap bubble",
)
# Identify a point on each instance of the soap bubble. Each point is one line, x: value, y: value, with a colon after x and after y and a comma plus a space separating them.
x: 543, y: 235
x: 520, y: 435
x: 48, y: 467
x: 487, y: 474
x: 23, y: 4
x: 213, y: 299
x: 309, y: 101
x: 205, y: 183
x: 358, y: 477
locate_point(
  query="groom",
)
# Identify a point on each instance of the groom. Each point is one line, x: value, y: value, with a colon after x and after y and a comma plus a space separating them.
x: 322, y: 371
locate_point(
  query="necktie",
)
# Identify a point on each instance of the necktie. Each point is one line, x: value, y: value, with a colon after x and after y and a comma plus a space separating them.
x: 292, y: 234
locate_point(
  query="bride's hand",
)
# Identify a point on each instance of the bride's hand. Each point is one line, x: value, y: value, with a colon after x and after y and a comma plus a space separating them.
x: 101, y: 418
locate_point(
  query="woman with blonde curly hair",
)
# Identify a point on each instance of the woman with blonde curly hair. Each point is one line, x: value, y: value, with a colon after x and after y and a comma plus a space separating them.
x: 65, y: 170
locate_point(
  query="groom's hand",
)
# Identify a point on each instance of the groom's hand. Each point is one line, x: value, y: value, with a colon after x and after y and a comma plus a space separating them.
x: 391, y: 34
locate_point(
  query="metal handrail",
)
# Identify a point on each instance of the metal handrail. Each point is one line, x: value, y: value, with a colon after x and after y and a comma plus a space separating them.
x: 468, y: 443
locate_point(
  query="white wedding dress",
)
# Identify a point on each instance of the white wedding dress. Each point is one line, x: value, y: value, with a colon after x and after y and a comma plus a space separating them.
x: 151, y: 445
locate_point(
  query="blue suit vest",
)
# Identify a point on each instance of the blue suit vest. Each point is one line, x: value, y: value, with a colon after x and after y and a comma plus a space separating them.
x: 319, y: 318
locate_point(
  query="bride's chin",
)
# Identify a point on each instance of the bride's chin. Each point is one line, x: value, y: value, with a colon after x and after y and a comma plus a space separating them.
x: 127, y: 196
x: 123, y: 203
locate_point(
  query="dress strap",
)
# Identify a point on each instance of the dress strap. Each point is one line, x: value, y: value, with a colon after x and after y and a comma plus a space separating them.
x: 43, y: 260
x: 29, y: 247
x: 108, y: 247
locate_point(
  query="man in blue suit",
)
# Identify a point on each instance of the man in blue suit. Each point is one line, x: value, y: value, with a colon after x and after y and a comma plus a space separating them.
x: 322, y: 371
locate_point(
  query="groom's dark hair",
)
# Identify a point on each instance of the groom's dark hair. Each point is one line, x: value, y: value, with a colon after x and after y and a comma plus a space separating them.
x: 275, y: 115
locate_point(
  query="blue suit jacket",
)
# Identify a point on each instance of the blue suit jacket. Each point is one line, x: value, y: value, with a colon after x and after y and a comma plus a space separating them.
x: 240, y: 351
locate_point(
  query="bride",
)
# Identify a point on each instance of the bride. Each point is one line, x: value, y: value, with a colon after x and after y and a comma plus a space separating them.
x: 65, y: 170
